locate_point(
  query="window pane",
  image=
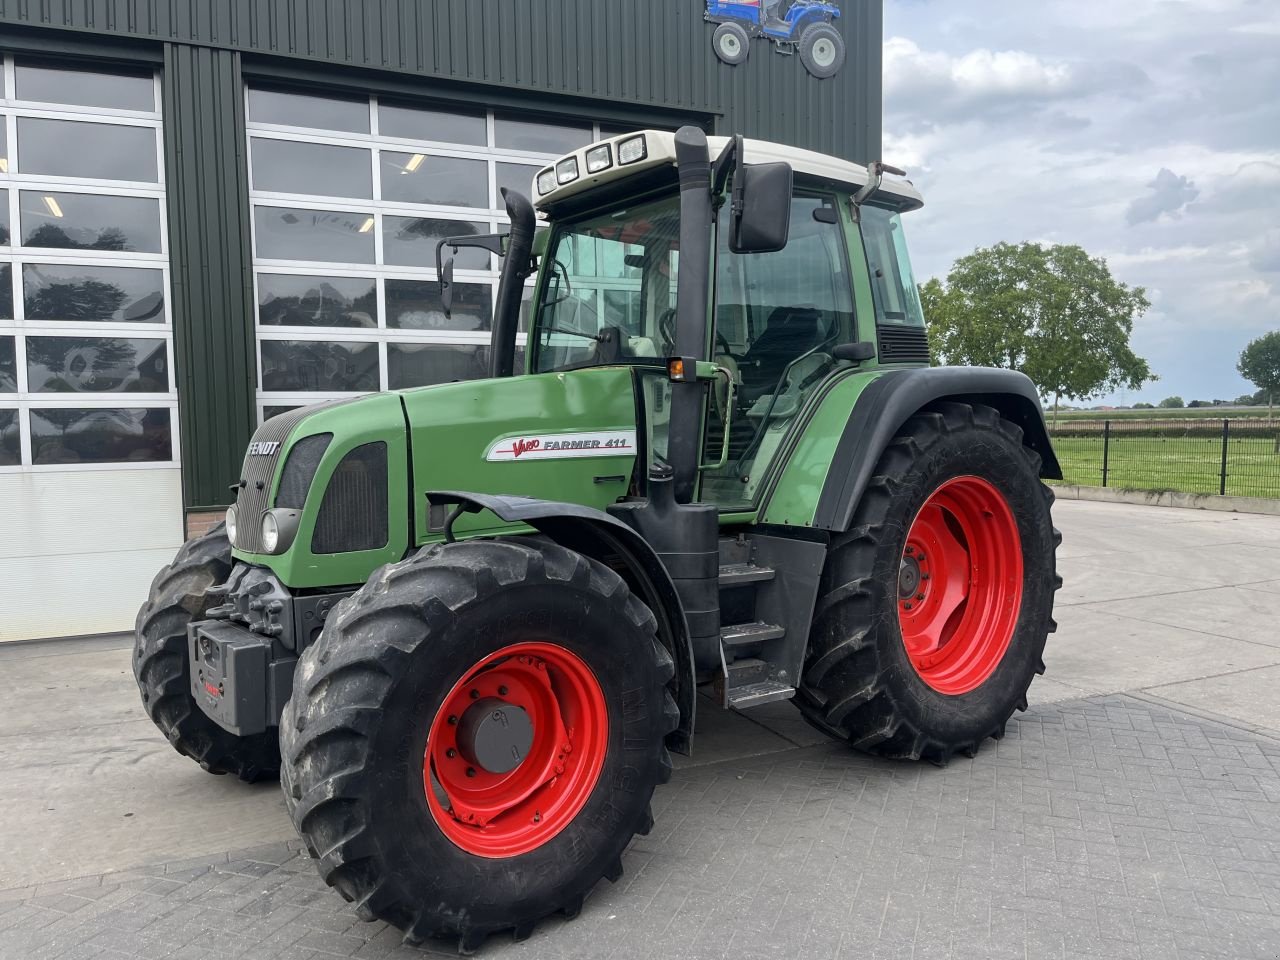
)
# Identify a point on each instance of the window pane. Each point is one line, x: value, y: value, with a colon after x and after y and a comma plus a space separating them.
x: 285, y: 300
x: 86, y: 88
x: 450, y: 181
x: 77, y: 435
x: 4, y: 217
x: 415, y: 305
x: 302, y: 110
x: 96, y: 365
x: 8, y: 365
x: 287, y: 166
x: 4, y: 145
x: 300, y: 365
x: 411, y: 242
x: 6, y: 291
x: 116, y: 294
x: 10, y: 443
x: 517, y: 177
x: 539, y: 136
x: 284, y: 233
x: 106, y: 151
x: 420, y: 364
x: 82, y: 221
x: 425, y: 123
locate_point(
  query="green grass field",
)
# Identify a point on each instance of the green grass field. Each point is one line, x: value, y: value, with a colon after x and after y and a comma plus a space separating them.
x: 1186, y: 464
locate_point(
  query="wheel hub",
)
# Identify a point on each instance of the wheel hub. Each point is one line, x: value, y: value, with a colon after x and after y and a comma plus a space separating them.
x: 495, y: 735
x: 908, y: 578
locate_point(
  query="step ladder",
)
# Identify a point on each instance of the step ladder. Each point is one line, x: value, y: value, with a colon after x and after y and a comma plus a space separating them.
x: 749, y: 675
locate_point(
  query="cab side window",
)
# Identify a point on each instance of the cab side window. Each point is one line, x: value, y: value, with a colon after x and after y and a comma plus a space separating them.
x: 777, y: 317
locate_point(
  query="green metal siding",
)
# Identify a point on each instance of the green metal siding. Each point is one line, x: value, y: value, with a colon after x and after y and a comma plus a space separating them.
x: 212, y: 292
x: 647, y: 53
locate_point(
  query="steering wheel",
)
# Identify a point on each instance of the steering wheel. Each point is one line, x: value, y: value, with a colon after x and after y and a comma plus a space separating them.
x: 667, y: 327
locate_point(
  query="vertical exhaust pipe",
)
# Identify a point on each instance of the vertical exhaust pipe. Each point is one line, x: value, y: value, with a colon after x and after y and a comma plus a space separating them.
x: 516, y: 267
x: 693, y: 164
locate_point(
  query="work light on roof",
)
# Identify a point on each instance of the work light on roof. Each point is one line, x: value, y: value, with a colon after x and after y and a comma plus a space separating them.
x: 546, y: 181
x: 632, y: 150
x: 567, y: 170
x: 599, y: 158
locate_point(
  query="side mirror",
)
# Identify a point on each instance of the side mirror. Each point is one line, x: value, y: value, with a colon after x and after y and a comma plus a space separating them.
x: 862, y: 350
x: 761, y: 207
x: 446, y: 285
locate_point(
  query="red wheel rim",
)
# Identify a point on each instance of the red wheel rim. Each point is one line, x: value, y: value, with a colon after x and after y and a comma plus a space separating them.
x: 505, y: 813
x: 960, y: 585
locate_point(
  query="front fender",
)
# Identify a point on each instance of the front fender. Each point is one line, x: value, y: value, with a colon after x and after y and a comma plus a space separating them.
x: 595, y: 534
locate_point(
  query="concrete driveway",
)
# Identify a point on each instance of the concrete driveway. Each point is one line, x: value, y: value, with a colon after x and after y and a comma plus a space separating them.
x: 1132, y: 810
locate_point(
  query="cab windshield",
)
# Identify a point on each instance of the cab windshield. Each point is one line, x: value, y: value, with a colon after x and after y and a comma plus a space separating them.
x: 610, y: 293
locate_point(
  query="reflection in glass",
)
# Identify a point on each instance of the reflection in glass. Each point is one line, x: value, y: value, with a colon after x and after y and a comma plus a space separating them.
x: 303, y: 110
x: 287, y: 300
x: 103, y: 151
x: 539, y: 136
x: 10, y: 441
x: 86, y: 88
x: 448, y: 181
x: 82, y: 293
x: 4, y: 145
x: 4, y: 219
x: 284, y: 233
x: 421, y: 364
x: 517, y: 177
x: 78, y: 435
x: 82, y: 221
x: 6, y: 291
x: 415, y: 305
x: 288, y: 166
x: 305, y: 365
x: 411, y: 242
x: 424, y: 123
x: 8, y: 365
x: 96, y: 365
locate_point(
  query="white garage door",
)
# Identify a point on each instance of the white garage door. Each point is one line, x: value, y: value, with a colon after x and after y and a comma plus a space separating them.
x: 90, y: 492
x: 350, y: 197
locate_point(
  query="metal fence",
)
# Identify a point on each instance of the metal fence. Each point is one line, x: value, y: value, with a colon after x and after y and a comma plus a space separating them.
x: 1239, y: 458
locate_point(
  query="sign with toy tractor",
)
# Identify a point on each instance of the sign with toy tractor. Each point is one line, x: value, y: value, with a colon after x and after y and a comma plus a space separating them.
x: 803, y: 26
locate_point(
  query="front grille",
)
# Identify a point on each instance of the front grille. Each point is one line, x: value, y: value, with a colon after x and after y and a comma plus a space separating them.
x: 300, y: 470
x: 901, y: 344
x: 256, y: 476
x: 353, y: 515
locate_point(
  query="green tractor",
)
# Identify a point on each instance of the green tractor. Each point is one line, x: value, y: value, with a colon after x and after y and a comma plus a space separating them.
x: 465, y: 624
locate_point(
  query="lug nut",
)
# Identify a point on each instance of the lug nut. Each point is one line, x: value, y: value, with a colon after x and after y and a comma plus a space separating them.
x: 475, y: 694
x: 502, y: 691
x: 471, y: 771
x: 907, y: 605
x: 919, y: 596
x: 451, y: 753
x: 453, y: 721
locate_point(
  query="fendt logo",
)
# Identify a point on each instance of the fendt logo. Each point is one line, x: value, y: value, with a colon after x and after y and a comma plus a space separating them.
x: 261, y: 448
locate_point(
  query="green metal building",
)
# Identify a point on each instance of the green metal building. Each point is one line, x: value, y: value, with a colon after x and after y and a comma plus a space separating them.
x: 213, y: 210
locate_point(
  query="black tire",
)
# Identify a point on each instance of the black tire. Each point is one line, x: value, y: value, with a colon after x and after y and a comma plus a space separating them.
x: 822, y: 50
x: 731, y: 44
x: 161, y: 667
x: 354, y: 735
x: 859, y: 683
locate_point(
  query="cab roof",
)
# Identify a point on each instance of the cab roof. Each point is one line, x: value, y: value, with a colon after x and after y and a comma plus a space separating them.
x: 660, y: 151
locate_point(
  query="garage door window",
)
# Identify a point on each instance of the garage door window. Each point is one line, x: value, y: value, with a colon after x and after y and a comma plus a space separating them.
x: 350, y: 197
x: 86, y: 346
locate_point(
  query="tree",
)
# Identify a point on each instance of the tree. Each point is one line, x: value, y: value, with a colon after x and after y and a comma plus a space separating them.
x: 1172, y: 403
x: 1260, y: 363
x: 1055, y: 313
x: 1144, y: 406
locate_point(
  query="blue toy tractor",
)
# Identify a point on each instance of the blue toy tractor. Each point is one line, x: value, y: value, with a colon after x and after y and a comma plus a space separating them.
x: 791, y: 24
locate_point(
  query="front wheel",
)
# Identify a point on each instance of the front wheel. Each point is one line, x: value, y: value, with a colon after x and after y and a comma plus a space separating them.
x: 476, y: 736
x: 822, y: 50
x: 935, y: 607
x: 731, y: 43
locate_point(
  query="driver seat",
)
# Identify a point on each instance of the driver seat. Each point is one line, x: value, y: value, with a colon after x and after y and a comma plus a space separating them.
x: 790, y: 332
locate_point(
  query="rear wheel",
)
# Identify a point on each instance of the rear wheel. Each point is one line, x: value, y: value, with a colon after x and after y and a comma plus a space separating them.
x: 476, y: 736
x: 731, y: 43
x: 161, y: 664
x: 822, y: 50
x: 935, y: 607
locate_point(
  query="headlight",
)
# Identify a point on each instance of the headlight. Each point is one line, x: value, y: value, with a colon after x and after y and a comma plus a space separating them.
x: 632, y: 150
x: 279, y: 528
x: 599, y: 158
x: 567, y: 170
x: 546, y: 181
x: 231, y: 524
x: 270, y: 533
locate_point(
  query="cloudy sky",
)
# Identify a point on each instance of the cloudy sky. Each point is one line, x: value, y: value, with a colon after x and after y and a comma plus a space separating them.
x: 1147, y: 131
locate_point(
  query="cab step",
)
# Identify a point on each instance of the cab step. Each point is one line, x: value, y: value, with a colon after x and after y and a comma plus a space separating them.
x: 743, y: 634
x: 741, y: 574
x: 749, y: 683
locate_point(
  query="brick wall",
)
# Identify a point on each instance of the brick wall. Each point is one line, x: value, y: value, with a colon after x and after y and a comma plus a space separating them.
x: 198, y: 524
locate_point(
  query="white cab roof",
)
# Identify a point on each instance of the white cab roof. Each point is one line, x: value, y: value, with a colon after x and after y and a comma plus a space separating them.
x: 661, y: 150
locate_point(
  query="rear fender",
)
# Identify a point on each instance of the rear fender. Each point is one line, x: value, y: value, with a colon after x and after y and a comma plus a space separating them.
x: 597, y: 535
x: 892, y: 399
